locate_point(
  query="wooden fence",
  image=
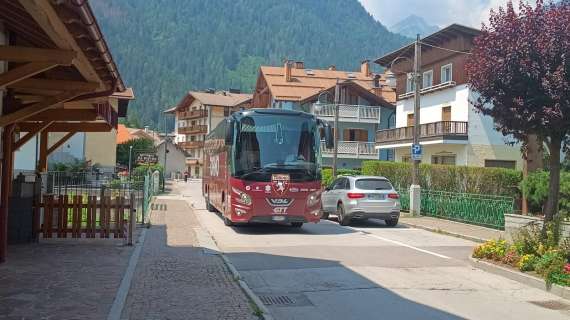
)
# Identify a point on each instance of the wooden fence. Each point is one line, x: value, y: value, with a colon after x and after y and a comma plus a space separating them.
x: 78, y: 216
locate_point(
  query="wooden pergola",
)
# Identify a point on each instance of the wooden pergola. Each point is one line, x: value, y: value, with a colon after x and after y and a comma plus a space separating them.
x: 56, y: 75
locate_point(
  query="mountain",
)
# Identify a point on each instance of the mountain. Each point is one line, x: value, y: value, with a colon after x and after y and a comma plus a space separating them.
x: 165, y: 48
x: 412, y: 25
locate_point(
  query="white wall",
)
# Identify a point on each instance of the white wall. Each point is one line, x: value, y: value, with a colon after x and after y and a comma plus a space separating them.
x: 432, y: 103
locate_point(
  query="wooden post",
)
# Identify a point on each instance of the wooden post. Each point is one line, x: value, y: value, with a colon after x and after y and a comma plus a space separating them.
x: 6, y: 185
x: 132, y: 213
x: 42, y: 163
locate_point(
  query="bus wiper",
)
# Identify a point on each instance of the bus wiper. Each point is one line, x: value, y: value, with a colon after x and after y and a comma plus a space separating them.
x: 254, y: 171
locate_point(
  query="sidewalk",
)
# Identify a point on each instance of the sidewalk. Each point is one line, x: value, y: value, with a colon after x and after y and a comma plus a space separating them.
x: 458, y: 229
x: 175, y: 278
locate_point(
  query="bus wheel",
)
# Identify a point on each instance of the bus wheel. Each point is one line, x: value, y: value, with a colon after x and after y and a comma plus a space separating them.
x: 296, y: 224
x: 209, y: 206
x: 228, y: 222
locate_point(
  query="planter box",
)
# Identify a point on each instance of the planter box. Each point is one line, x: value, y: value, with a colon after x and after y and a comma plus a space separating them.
x: 513, y: 222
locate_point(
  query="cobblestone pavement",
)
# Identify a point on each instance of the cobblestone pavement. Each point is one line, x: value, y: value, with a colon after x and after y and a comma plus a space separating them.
x: 176, y: 279
x: 62, y: 279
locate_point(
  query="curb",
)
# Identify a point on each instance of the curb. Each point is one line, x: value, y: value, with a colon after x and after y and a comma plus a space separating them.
x: 449, y: 233
x: 527, y: 279
x: 266, y: 314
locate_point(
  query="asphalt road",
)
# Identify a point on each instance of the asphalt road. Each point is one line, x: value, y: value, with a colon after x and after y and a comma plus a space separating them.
x: 369, y: 271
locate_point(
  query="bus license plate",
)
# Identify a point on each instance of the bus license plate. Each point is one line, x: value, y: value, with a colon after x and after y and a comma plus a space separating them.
x: 278, y: 218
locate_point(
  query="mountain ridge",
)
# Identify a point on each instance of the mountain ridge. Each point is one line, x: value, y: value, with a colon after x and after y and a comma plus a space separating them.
x: 164, y: 48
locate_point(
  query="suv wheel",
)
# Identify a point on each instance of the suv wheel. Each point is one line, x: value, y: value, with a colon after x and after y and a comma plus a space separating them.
x: 343, y: 220
x: 391, y: 222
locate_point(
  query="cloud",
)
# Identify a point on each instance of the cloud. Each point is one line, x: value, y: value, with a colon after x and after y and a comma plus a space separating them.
x: 435, y: 12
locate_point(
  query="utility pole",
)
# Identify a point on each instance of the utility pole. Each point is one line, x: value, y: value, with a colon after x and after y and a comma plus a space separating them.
x: 415, y: 199
x: 336, y: 112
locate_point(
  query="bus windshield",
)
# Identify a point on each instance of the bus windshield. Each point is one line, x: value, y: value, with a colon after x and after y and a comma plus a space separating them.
x: 277, y: 144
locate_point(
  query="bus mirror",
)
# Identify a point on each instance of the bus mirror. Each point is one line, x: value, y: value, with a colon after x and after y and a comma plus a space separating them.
x: 329, y: 139
x: 230, y: 132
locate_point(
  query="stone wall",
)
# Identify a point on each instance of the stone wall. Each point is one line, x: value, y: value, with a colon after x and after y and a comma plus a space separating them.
x: 514, y: 222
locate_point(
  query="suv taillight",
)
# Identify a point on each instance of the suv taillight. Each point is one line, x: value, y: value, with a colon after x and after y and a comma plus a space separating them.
x: 393, y: 196
x: 354, y: 195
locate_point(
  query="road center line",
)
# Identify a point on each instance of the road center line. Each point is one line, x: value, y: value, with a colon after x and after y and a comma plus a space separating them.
x: 400, y: 243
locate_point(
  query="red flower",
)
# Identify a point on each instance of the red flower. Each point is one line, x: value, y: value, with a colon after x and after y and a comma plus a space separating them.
x: 567, y: 268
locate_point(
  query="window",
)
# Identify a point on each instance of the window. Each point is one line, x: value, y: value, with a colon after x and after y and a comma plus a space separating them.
x: 410, y: 120
x: 196, y: 170
x: 509, y: 164
x: 226, y: 112
x: 355, y: 135
x: 446, y: 113
x: 443, y: 159
x: 410, y: 85
x: 427, y: 79
x: 373, y: 184
x: 446, y: 73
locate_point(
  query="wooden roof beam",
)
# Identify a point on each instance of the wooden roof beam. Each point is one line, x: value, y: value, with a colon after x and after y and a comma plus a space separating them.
x: 28, y: 111
x: 25, y: 71
x: 56, y: 85
x: 59, y: 114
x: 39, y: 128
x: 60, y: 142
x: 69, y: 126
x: 27, y: 54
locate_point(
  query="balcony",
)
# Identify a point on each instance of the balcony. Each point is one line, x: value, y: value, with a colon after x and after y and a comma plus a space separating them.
x: 352, y: 150
x: 350, y: 113
x: 442, y: 130
x: 193, y: 114
x: 434, y: 88
x: 191, y: 144
x: 193, y: 129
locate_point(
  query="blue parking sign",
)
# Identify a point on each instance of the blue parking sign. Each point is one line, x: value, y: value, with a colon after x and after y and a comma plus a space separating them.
x: 417, y: 152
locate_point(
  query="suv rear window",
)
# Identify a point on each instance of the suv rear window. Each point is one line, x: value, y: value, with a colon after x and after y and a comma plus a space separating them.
x: 373, y: 184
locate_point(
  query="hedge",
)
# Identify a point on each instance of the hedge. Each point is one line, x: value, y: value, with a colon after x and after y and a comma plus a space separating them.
x: 327, y: 174
x: 462, y: 179
x: 535, y: 188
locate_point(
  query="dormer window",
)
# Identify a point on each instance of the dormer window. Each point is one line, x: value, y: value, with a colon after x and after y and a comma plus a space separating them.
x: 447, y: 73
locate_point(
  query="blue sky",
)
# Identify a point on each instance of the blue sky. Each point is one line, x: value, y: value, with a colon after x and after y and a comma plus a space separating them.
x: 435, y: 12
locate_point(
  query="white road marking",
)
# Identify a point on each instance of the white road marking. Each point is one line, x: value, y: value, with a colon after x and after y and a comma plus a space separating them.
x: 400, y: 243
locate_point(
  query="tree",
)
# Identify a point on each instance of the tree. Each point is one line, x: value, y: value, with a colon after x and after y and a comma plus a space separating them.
x: 520, y: 66
x: 140, y: 145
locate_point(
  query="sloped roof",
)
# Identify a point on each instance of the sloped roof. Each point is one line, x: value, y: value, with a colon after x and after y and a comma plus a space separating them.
x: 307, y: 83
x: 221, y: 99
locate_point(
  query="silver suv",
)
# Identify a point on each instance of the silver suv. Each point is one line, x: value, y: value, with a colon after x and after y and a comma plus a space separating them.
x: 361, y: 197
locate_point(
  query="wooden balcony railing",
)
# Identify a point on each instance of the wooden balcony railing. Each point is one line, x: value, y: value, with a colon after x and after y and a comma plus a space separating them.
x: 193, y: 129
x: 353, y: 113
x: 191, y: 144
x: 355, y: 149
x: 193, y: 114
x: 454, y: 130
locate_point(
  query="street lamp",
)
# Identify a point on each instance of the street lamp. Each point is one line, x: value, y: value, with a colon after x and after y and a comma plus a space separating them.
x: 415, y: 199
x: 130, y: 156
x: 318, y: 106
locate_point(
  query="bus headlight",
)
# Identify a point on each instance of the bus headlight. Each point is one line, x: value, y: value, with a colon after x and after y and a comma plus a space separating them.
x: 242, y: 197
x: 313, y: 198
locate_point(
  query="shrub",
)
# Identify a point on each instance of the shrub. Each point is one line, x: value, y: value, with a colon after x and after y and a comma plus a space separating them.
x: 549, y: 265
x: 327, y: 177
x: 497, y: 181
x: 527, y: 262
x: 535, y: 188
x: 492, y: 249
x: 512, y: 257
x: 527, y: 240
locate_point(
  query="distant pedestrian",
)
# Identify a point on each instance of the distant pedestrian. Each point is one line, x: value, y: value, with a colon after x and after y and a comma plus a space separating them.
x: 185, y: 176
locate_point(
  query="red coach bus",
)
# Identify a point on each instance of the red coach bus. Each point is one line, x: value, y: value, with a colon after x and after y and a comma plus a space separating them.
x: 264, y: 166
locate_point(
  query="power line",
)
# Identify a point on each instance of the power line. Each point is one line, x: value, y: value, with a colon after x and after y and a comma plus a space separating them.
x: 446, y: 49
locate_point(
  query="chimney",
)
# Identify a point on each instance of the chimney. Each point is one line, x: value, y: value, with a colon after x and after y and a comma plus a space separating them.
x: 299, y: 65
x: 288, y: 66
x: 332, y: 67
x: 365, y: 68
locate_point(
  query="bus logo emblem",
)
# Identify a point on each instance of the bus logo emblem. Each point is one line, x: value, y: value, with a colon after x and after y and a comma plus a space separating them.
x: 280, y: 183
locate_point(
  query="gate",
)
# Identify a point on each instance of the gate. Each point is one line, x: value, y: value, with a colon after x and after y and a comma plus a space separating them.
x: 78, y: 216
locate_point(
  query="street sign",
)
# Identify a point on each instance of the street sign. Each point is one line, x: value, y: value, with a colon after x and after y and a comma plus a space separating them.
x: 417, y: 152
x: 147, y: 158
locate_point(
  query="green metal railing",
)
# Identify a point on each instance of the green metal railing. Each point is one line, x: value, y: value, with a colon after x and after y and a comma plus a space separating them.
x: 484, y: 210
